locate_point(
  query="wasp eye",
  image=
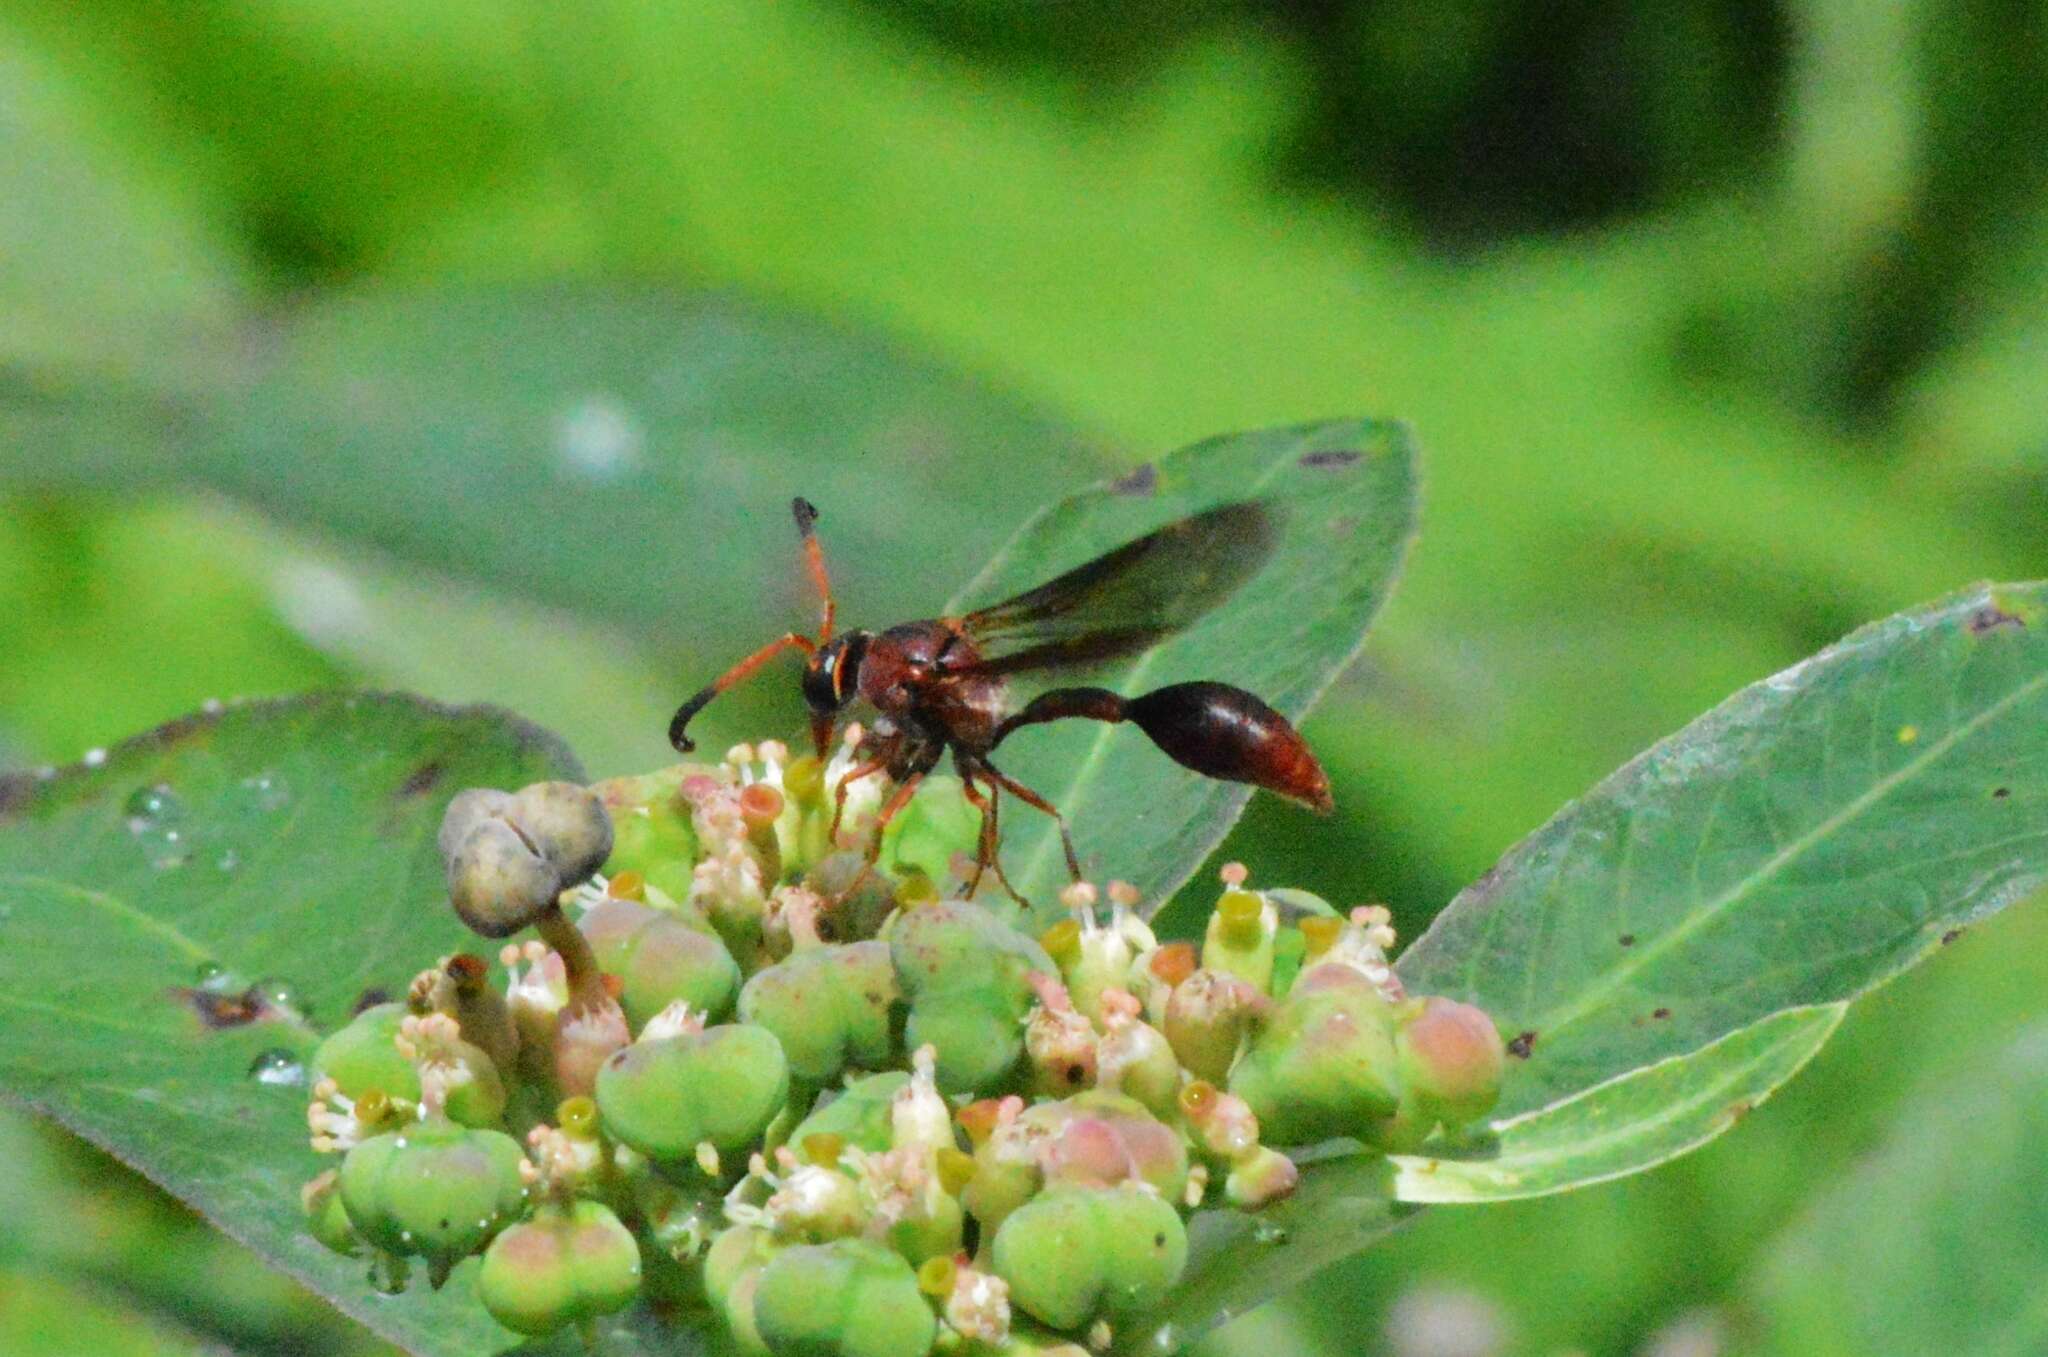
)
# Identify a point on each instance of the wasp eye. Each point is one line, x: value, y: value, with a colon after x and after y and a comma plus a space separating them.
x: 821, y: 682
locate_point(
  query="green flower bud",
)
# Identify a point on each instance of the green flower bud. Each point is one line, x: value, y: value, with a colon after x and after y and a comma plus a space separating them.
x: 659, y: 959
x: 830, y: 1006
x: 1240, y: 938
x: 858, y: 1117
x: 1073, y: 1255
x: 966, y: 977
x: 651, y: 830
x: 1323, y: 1064
x: 326, y: 1217
x: 721, y: 1087
x: 938, y: 823
x: 1109, y: 1139
x: 1206, y: 1018
x: 564, y: 1265
x: 364, y: 1055
x: 1451, y: 1060
x: 849, y: 1298
x: 433, y: 1190
x: 732, y: 1275
x: 861, y: 899
x: 1260, y: 1177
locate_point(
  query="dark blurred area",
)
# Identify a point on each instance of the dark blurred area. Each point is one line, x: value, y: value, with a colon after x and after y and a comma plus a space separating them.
x: 1723, y: 326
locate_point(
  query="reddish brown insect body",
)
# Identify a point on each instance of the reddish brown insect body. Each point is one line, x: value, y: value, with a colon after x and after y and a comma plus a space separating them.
x: 942, y: 685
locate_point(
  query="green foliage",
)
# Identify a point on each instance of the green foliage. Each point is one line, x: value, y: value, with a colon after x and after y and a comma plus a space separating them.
x: 1345, y: 495
x: 1638, y: 499
x: 1806, y: 840
x: 172, y: 912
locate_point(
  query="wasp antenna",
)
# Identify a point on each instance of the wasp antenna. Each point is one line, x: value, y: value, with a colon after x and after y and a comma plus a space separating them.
x: 814, y: 560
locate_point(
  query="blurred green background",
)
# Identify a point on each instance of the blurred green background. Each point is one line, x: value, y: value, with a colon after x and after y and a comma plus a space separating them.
x: 1721, y: 322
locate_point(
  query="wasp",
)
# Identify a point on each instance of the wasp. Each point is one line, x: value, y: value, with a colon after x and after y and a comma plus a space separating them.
x: 942, y: 685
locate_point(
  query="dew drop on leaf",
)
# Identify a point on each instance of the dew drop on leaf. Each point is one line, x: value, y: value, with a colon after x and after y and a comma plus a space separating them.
x: 155, y: 820
x: 1269, y: 1232
x: 265, y: 792
x: 283, y: 995
x: 278, y: 1068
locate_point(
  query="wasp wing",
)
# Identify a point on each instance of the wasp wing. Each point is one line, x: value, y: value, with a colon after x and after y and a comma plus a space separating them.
x: 1129, y: 599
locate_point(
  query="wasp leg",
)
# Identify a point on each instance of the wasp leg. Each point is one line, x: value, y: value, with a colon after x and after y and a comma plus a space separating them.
x: 998, y: 778
x: 853, y: 774
x: 989, y: 852
x: 890, y: 808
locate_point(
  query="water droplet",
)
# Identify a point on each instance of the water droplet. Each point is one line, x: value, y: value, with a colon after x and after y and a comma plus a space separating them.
x: 213, y: 706
x: 278, y: 1068
x: 266, y: 792
x: 283, y: 995
x: 1163, y: 1340
x: 405, y: 1238
x: 95, y: 757
x: 599, y: 439
x: 148, y: 804
x: 1269, y: 1232
x: 211, y: 975
x: 228, y: 861
x: 153, y: 816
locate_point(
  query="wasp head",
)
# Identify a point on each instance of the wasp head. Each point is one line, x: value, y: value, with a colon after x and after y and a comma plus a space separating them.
x: 831, y: 680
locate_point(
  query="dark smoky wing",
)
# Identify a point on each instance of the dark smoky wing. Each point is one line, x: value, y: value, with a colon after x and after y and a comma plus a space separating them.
x: 1127, y: 600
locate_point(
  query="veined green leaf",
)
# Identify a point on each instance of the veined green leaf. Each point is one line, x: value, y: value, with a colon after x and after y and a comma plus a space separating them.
x: 1628, y: 1124
x: 184, y: 914
x: 1804, y: 841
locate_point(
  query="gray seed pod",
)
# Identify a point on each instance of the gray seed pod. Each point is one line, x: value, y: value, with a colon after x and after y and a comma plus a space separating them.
x: 567, y: 825
x: 496, y: 883
x: 468, y: 810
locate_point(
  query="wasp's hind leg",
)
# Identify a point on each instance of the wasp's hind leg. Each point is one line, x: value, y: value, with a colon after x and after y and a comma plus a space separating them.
x: 997, y: 778
x: 988, y: 853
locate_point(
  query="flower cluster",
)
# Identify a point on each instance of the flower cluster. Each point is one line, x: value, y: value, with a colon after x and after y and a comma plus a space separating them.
x: 738, y: 1066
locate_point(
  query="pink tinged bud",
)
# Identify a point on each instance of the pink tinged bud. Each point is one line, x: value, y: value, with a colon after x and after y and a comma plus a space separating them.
x: 1222, y: 1123
x: 1451, y: 1060
x: 1134, y: 1058
x: 1260, y: 1177
x: 584, y: 1039
x: 1206, y: 1018
x: 1062, y: 1047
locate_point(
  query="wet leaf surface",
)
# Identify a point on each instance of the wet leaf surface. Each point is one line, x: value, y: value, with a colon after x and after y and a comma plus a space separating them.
x: 184, y: 915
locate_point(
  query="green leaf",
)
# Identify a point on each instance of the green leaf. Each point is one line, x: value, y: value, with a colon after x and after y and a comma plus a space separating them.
x: 1811, y: 837
x: 628, y: 454
x: 1346, y: 494
x: 1236, y: 1260
x: 1630, y: 1123
x: 282, y: 844
x: 1937, y: 1242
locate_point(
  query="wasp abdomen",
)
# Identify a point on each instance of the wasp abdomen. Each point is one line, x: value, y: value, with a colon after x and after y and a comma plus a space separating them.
x: 1225, y: 732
